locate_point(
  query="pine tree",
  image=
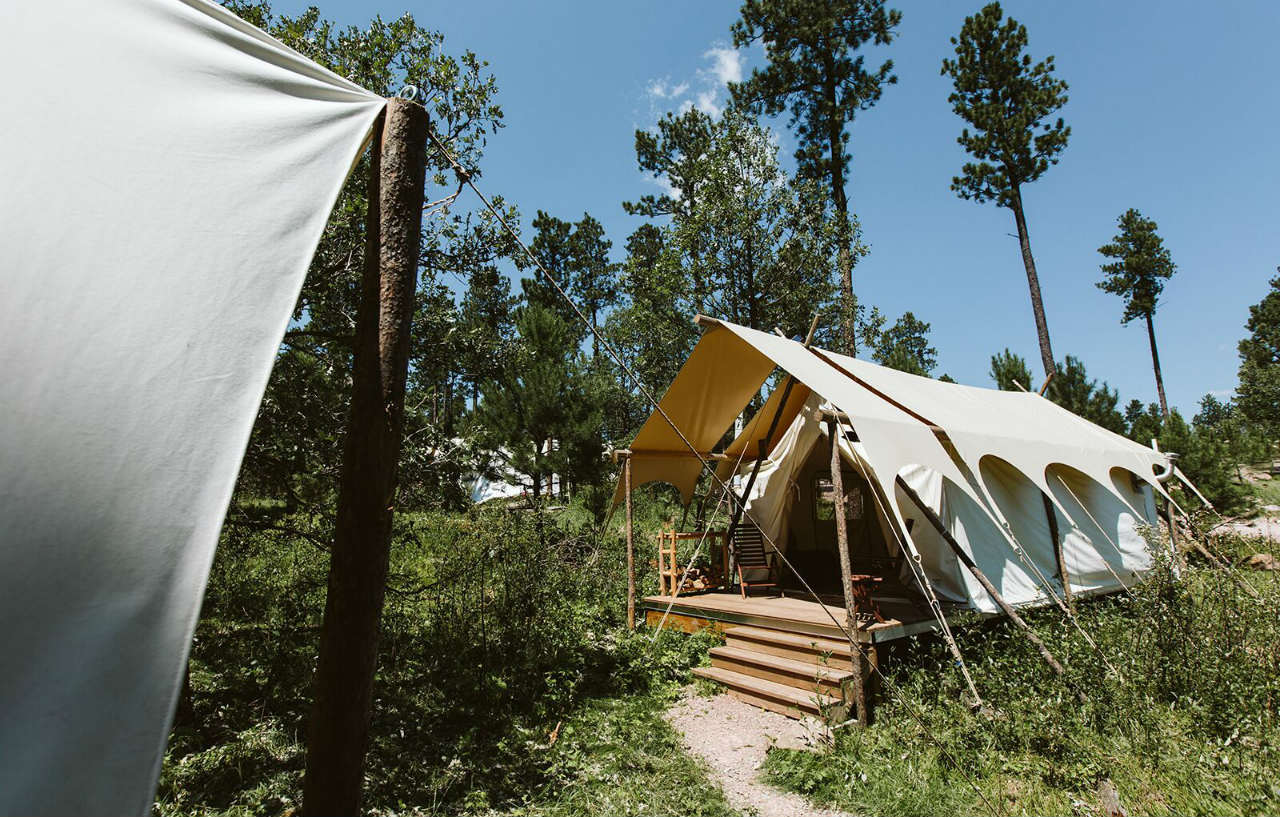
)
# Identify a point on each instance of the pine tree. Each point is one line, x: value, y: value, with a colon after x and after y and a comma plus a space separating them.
x: 1007, y: 100
x: 1010, y: 371
x: 1137, y: 275
x: 542, y: 408
x: 1258, y: 394
x: 757, y: 242
x: 595, y: 277
x: 1093, y: 400
x: 815, y: 73
x: 905, y: 346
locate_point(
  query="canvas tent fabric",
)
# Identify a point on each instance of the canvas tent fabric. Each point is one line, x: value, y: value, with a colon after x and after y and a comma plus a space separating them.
x: 168, y: 171
x: 982, y: 459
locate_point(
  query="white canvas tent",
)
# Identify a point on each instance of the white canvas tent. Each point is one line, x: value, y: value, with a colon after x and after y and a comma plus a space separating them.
x: 168, y: 170
x: 983, y: 460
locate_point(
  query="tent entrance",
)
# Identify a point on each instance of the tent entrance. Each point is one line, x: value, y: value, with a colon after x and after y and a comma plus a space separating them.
x: 809, y: 527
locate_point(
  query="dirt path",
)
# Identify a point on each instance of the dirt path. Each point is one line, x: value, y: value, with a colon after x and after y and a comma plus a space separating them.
x: 733, y: 738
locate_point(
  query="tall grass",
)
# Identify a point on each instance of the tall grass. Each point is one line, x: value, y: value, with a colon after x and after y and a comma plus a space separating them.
x: 1189, y: 726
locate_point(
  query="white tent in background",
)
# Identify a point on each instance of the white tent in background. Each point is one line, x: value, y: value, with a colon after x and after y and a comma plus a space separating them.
x: 166, y: 182
x: 983, y: 460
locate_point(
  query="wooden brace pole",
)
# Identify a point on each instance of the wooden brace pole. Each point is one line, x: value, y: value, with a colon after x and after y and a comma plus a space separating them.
x: 631, y: 550
x: 968, y: 562
x: 1052, y: 516
x: 846, y: 574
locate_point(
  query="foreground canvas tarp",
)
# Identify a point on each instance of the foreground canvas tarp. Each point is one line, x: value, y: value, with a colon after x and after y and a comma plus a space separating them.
x: 167, y: 171
x: 985, y: 461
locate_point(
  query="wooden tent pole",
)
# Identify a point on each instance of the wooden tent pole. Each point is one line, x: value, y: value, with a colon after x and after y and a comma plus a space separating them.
x: 968, y: 562
x: 846, y: 574
x: 631, y: 550
x: 1057, y: 548
x: 338, y: 731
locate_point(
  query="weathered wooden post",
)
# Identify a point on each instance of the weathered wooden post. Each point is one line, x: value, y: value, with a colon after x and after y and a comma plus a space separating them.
x: 631, y: 550
x: 338, y: 732
x: 846, y: 574
x: 1052, y: 516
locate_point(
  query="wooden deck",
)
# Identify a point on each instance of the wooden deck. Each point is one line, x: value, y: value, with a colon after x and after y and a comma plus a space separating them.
x: 785, y: 613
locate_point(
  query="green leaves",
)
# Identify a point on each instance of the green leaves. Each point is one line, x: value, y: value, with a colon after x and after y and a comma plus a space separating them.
x: 813, y: 73
x: 1258, y: 394
x: 1008, y: 101
x: 1141, y: 267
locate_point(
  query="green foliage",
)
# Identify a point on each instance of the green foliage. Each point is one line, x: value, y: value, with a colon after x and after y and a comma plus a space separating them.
x: 543, y: 409
x: 296, y: 445
x: 490, y: 637
x: 673, y: 153
x: 1010, y: 371
x: 1207, y: 458
x: 903, y: 346
x: 757, y: 243
x: 1258, y: 395
x: 1189, y: 729
x: 1093, y: 400
x: 1007, y: 100
x: 815, y: 73
x: 1141, y: 267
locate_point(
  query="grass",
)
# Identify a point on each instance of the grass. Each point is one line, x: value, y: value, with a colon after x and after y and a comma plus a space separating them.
x: 493, y: 642
x: 619, y: 757
x: 1189, y: 729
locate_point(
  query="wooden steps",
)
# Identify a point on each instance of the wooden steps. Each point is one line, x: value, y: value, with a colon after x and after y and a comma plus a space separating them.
x: 791, y: 673
x: 787, y: 700
x: 803, y: 675
x: 796, y: 646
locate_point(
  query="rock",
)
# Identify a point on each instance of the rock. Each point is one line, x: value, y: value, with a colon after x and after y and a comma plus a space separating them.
x: 1109, y: 799
x: 1271, y: 508
x: 1262, y: 561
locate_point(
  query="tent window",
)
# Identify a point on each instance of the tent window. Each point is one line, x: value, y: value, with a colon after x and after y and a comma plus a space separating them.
x: 824, y: 504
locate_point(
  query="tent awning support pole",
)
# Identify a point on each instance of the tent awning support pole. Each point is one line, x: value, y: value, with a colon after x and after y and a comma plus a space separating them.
x: 968, y: 562
x: 846, y: 576
x: 338, y: 730
x: 1057, y: 548
x: 631, y: 550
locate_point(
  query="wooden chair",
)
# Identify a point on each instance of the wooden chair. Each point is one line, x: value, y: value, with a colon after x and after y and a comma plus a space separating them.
x: 755, y: 567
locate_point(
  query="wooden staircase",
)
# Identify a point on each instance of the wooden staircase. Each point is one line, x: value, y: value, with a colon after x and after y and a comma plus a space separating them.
x: 790, y: 673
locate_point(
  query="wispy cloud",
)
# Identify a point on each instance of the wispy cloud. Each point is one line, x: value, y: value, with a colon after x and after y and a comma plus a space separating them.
x: 705, y: 90
x: 726, y: 64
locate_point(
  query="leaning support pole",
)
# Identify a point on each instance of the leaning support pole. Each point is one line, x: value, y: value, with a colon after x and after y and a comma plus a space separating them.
x: 631, y: 548
x: 338, y: 732
x: 1052, y: 516
x: 968, y: 562
x: 846, y: 574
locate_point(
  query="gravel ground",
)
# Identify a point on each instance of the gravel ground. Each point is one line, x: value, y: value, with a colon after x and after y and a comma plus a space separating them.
x: 733, y: 738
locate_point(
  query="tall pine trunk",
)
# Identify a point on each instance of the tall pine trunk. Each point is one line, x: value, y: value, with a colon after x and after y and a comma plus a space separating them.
x: 338, y: 732
x: 840, y: 201
x: 1033, y: 283
x: 1155, y: 363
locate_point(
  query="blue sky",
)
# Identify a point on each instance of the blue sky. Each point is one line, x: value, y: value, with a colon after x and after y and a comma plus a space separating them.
x: 1174, y: 109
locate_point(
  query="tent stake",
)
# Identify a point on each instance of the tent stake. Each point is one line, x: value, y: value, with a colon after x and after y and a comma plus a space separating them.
x: 338, y: 731
x: 631, y: 550
x: 968, y: 562
x: 846, y: 574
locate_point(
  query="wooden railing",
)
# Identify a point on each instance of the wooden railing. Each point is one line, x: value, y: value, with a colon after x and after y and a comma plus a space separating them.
x: 670, y: 570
